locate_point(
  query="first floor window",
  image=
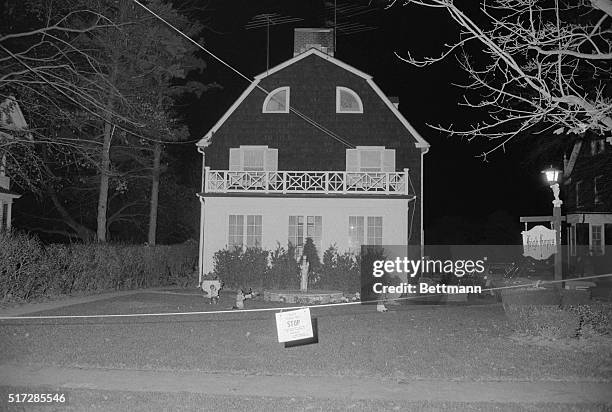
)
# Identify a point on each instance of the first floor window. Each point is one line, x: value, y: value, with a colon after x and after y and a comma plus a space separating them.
x: 236, y: 231
x: 362, y: 228
x: 303, y: 227
x: 253, y: 234
x: 374, y: 230
x: 240, y: 236
x: 597, y: 246
x: 356, y: 231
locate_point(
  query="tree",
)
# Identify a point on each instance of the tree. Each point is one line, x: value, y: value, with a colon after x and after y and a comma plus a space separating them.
x: 146, y: 69
x: 43, y: 70
x: 61, y: 88
x: 98, y: 81
x: 312, y: 255
x: 548, y: 65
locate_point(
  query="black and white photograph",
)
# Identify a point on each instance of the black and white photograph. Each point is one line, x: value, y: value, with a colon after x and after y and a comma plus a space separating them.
x: 306, y: 205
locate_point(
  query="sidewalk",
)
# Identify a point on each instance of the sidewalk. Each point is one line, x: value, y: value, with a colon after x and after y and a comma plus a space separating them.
x: 325, y: 387
x: 28, y: 308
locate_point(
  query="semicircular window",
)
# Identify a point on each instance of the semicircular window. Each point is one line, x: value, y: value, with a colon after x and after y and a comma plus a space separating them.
x: 277, y: 101
x: 347, y: 101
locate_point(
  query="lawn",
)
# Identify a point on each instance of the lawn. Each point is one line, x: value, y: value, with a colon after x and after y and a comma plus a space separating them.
x: 98, y: 400
x: 410, y: 342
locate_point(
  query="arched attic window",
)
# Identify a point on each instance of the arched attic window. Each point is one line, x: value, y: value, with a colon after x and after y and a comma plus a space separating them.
x: 277, y: 101
x: 347, y: 101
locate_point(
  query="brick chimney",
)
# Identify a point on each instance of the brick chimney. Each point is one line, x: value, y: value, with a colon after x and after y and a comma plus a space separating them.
x: 308, y: 38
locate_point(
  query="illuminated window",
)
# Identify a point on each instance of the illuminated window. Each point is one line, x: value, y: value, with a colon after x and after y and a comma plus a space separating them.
x: 347, y: 101
x: 372, y: 232
x: 355, y: 233
x: 277, y: 101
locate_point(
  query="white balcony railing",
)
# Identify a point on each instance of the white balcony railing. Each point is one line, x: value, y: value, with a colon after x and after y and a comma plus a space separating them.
x: 225, y: 181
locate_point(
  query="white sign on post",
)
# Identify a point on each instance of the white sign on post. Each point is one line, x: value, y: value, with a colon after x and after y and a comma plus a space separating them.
x: 539, y: 242
x: 294, y: 325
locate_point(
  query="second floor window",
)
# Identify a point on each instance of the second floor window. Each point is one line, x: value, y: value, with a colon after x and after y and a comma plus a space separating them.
x: 277, y: 101
x: 370, y: 159
x: 598, y: 190
x: 598, y: 146
x: 253, y: 158
x: 579, y: 194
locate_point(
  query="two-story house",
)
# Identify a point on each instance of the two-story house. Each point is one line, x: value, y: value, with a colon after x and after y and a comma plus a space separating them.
x: 11, y: 121
x: 587, y: 179
x: 312, y: 148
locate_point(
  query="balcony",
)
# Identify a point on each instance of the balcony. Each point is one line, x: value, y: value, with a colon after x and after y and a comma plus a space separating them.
x: 310, y: 182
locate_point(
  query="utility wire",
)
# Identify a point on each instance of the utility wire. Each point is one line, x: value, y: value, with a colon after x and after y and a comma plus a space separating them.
x: 291, y: 109
x: 536, y: 284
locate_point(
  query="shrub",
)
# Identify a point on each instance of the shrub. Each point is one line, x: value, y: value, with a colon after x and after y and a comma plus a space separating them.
x: 284, y: 271
x: 572, y: 297
x: 543, y: 320
x: 240, y: 269
x: 339, y: 271
x: 30, y: 270
x: 595, y: 319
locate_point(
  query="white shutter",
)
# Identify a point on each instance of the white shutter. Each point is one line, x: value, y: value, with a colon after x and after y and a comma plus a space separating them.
x: 388, y: 164
x: 235, y: 161
x: 271, y: 160
x: 352, y: 160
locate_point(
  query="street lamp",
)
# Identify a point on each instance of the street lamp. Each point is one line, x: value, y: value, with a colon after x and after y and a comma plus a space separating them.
x: 552, y: 177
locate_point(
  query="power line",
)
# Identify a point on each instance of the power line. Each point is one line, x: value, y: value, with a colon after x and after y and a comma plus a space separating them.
x: 291, y: 109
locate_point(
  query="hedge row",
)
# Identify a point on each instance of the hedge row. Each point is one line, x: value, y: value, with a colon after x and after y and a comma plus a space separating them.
x: 278, y: 269
x: 30, y: 270
x: 556, y: 313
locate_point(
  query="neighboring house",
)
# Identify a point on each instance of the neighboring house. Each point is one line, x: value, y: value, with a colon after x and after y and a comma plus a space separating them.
x: 11, y: 121
x: 312, y: 148
x: 587, y: 180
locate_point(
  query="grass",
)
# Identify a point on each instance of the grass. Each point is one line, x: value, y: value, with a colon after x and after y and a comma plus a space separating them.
x: 411, y: 342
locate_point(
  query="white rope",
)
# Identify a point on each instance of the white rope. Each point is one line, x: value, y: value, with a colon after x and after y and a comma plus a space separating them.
x: 326, y: 305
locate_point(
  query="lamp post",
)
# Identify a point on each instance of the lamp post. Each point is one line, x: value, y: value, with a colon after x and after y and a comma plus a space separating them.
x: 552, y: 177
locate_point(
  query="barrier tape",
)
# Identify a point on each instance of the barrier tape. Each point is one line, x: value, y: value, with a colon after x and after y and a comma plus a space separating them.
x: 134, y: 315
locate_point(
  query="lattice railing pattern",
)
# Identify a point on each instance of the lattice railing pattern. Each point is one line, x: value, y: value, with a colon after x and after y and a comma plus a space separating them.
x: 225, y: 181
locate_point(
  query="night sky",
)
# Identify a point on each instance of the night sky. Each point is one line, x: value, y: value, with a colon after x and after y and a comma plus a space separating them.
x: 457, y: 182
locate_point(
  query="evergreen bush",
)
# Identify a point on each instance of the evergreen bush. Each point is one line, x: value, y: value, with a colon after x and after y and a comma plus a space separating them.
x: 31, y: 270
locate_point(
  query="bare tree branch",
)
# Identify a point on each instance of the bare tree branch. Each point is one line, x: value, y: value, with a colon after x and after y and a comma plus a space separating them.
x: 549, y: 65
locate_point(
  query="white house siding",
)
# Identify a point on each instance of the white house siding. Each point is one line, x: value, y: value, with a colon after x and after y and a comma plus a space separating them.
x: 275, y: 212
